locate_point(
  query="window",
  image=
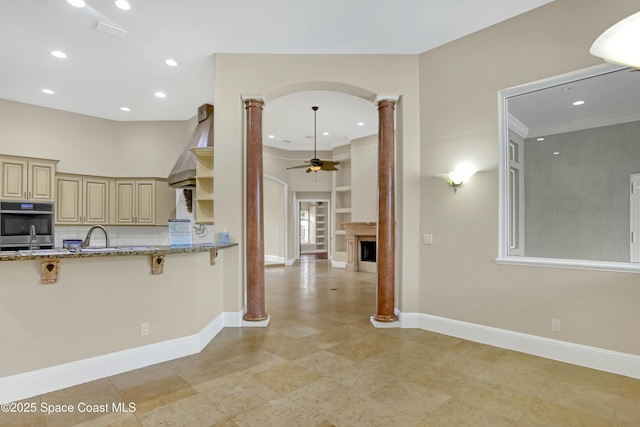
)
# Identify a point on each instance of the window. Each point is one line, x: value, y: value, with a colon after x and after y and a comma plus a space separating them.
x: 569, y: 155
x: 304, y: 226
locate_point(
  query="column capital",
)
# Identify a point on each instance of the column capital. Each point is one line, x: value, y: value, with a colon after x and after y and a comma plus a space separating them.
x: 252, y: 98
x: 392, y: 98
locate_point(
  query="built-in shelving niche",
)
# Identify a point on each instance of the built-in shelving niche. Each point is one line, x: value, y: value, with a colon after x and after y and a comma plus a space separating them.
x: 204, y: 185
x: 341, y: 208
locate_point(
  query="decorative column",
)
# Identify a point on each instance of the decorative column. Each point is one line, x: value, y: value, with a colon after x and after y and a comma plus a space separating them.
x: 255, y: 223
x: 386, y: 256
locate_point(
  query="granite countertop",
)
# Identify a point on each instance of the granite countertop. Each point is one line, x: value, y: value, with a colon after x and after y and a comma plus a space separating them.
x: 111, y: 252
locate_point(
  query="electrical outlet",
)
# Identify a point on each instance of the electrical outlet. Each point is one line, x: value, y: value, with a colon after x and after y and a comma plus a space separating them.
x: 144, y: 329
x: 555, y: 325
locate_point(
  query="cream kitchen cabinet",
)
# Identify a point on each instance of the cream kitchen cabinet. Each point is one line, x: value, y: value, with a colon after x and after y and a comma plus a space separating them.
x: 27, y: 179
x: 82, y: 199
x: 144, y: 202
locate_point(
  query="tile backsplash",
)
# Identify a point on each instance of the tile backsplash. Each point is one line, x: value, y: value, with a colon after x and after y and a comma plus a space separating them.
x: 130, y: 235
x: 118, y: 235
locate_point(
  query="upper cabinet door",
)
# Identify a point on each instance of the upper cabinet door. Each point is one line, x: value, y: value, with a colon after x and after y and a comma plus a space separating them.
x: 41, y: 181
x: 146, y: 202
x: 14, y: 179
x: 125, y: 202
x: 96, y: 200
x: 68, y: 200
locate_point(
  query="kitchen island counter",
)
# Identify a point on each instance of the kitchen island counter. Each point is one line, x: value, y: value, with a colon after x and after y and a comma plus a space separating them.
x: 78, y: 317
x: 112, y: 252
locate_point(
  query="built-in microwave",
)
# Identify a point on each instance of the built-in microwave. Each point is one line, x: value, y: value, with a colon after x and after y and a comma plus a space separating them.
x: 25, y: 224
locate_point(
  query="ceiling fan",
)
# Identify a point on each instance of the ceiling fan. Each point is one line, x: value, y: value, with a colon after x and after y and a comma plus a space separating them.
x: 315, y: 164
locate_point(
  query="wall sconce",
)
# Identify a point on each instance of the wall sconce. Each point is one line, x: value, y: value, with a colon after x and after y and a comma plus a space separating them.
x: 619, y: 44
x: 457, y: 177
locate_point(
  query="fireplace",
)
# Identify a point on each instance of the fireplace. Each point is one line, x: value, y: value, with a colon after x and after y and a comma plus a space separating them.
x: 361, y: 246
x: 368, y: 250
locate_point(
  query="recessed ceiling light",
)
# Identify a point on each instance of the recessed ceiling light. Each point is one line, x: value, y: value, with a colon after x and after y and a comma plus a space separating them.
x: 565, y: 89
x: 271, y: 136
x: 123, y: 4
x: 540, y: 139
x: 77, y: 3
x: 360, y: 123
x: 48, y: 91
x: 171, y: 62
x: 125, y: 108
x: 578, y: 103
x: 160, y: 94
x: 325, y: 133
x: 556, y: 153
x: 59, y: 54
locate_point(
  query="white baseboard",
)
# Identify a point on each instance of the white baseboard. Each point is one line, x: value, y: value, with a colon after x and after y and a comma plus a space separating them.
x: 577, y: 354
x: 290, y: 261
x: 29, y: 384
x: 233, y: 319
x: 256, y: 324
x: 274, y: 258
x: 338, y: 264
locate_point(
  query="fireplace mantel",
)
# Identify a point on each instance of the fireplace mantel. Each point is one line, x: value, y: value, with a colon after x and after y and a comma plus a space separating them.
x: 354, y: 232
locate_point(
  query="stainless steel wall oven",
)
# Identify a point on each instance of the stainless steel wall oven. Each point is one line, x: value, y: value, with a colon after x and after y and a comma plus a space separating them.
x: 24, y: 223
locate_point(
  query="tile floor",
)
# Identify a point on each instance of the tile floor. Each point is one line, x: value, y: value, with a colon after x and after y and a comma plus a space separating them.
x: 321, y: 363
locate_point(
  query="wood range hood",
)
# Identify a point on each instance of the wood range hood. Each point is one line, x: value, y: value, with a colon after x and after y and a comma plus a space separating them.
x: 183, y: 174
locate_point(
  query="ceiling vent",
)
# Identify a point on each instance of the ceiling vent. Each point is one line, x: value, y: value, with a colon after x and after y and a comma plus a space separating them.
x: 111, y: 29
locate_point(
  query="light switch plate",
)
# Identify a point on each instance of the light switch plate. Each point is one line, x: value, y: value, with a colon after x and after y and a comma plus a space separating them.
x: 427, y: 239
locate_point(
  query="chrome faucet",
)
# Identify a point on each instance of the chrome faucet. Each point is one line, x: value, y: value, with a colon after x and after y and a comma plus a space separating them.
x: 87, y: 240
x: 33, y: 238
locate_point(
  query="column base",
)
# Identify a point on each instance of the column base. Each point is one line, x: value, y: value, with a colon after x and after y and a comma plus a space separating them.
x: 389, y: 322
x: 255, y: 323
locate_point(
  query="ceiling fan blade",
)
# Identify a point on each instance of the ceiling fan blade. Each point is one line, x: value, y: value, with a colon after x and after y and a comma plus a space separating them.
x: 299, y: 166
x: 328, y: 166
x: 308, y: 170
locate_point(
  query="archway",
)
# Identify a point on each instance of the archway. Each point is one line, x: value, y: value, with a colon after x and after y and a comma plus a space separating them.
x: 386, y: 182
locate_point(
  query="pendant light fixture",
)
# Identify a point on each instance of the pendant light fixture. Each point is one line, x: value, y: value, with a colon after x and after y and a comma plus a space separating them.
x: 620, y: 44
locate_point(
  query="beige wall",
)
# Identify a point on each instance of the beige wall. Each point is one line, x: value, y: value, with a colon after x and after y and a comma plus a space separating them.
x: 270, y: 76
x: 98, y: 304
x: 459, y: 117
x: 274, y: 217
x: 364, y: 179
x: 89, y: 145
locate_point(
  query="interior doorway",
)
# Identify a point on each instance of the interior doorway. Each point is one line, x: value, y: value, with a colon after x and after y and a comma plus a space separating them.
x: 275, y: 221
x: 313, y: 228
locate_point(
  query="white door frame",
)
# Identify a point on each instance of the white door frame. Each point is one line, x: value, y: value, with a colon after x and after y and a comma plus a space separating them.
x: 296, y: 204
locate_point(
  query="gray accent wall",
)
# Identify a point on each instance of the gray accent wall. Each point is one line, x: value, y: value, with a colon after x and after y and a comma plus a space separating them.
x: 577, y: 201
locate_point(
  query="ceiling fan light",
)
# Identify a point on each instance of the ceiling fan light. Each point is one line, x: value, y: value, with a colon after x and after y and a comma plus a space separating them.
x: 619, y: 44
x: 315, y: 168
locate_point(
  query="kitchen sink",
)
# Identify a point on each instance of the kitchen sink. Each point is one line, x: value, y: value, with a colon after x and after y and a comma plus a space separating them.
x: 43, y: 252
x: 97, y: 250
